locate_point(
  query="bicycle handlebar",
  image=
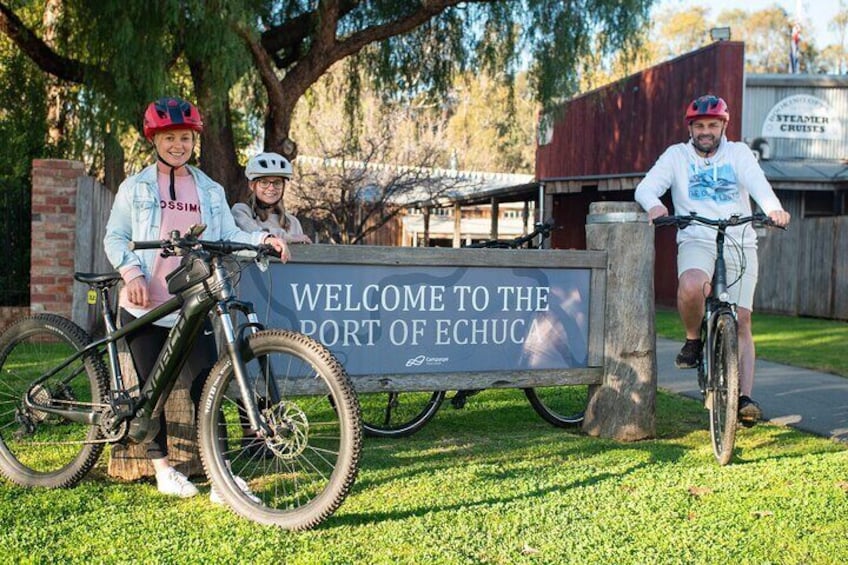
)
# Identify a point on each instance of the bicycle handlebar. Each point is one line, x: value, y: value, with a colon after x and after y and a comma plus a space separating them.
x: 683, y: 222
x: 541, y: 228
x: 189, y: 242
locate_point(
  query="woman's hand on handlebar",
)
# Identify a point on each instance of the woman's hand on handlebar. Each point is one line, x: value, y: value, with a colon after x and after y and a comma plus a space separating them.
x: 279, y: 246
x: 657, y: 211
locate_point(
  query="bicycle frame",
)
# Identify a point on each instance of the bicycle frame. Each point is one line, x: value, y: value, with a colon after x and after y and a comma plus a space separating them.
x: 194, y: 305
x: 716, y: 303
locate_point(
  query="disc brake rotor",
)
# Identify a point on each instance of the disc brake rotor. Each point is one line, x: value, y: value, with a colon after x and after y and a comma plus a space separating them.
x: 291, y: 429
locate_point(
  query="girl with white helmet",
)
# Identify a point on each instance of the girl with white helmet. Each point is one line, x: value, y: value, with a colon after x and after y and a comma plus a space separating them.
x: 267, y: 175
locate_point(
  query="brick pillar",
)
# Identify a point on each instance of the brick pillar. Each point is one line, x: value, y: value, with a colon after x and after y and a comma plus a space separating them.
x: 54, y: 195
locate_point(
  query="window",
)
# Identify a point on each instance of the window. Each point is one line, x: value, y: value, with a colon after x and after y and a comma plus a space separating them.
x: 817, y: 204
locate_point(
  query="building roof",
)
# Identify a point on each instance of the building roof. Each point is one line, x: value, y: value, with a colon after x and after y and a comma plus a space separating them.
x: 442, y: 187
x: 805, y: 174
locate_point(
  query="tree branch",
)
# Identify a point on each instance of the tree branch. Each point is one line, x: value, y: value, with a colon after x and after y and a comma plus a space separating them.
x: 290, y: 37
x: 327, y: 51
x: 47, y: 60
x: 265, y: 66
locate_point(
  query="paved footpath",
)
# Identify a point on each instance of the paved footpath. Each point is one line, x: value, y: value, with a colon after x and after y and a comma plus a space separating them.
x: 808, y: 400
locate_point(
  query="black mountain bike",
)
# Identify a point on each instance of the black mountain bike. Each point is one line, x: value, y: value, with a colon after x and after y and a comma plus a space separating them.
x: 397, y: 414
x: 718, y: 368
x: 264, y: 414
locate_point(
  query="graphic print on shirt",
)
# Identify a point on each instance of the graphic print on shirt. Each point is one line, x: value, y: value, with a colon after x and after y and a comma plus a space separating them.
x: 716, y: 183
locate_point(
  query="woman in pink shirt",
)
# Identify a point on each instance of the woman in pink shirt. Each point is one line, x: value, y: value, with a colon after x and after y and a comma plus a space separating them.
x: 168, y: 195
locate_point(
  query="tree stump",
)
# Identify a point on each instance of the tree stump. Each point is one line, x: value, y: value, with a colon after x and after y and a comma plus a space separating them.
x: 624, y: 406
x: 129, y: 462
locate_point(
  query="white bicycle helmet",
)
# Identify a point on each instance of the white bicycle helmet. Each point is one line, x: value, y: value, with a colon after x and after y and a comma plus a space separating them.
x: 268, y: 165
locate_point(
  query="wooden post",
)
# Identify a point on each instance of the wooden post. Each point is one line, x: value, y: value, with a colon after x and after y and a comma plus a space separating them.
x: 623, y: 407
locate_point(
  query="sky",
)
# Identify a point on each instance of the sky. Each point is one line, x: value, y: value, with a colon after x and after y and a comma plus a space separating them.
x: 819, y: 12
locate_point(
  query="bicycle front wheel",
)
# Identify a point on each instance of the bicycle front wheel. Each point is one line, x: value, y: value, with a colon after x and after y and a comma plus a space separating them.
x: 302, y: 472
x: 560, y: 406
x: 37, y: 448
x: 398, y: 414
x: 723, y: 388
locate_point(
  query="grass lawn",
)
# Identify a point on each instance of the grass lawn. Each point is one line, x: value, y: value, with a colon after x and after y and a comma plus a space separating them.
x: 488, y: 484
x: 804, y: 342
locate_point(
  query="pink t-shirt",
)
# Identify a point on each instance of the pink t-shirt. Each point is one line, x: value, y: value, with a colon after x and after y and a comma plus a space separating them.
x: 177, y: 215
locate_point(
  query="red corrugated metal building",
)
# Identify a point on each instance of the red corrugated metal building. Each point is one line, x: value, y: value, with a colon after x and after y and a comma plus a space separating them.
x: 602, y: 142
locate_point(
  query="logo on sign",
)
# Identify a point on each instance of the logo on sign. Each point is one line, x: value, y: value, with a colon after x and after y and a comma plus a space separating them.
x: 420, y: 360
x: 802, y: 116
x: 416, y: 361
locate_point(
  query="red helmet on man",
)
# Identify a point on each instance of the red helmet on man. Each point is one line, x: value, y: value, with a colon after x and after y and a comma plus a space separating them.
x: 171, y: 113
x: 707, y: 106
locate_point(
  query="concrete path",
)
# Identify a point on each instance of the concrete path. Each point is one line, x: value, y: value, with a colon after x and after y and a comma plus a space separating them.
x: 808, y: 400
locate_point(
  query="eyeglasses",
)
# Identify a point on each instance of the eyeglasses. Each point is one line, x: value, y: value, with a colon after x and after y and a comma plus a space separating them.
x: 265, y: 183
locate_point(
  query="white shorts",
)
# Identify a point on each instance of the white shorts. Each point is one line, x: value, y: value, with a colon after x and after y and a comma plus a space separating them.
x: 700, y: 254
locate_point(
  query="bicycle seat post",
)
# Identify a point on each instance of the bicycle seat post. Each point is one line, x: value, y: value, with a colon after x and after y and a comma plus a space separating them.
x: 112, y: 348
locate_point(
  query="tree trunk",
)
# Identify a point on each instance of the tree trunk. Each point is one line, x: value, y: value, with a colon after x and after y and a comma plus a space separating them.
x: 218, y: 157
x: 56, y: 118
x: 278, y: 125
x: 113, y: 163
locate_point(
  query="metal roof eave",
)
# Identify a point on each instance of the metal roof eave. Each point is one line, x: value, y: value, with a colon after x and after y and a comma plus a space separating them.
x: 514, y: 193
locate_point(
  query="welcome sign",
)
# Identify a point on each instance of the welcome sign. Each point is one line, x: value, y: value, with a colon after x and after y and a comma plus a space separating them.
x: 389, y: 319
x: 802, y: 116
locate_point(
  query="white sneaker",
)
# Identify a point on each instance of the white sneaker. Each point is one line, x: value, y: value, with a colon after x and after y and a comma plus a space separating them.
x: 173, y: 483
x: 216, y: 497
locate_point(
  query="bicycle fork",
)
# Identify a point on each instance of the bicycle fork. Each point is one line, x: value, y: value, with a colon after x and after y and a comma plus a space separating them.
x: 233, y: 343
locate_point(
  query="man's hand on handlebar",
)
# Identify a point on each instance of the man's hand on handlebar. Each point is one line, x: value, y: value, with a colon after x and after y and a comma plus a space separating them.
x: 657, y: 212
x: 780, y: 218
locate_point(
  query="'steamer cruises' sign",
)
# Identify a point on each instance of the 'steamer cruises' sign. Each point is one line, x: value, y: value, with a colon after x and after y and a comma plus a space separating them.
x: 802, y: 116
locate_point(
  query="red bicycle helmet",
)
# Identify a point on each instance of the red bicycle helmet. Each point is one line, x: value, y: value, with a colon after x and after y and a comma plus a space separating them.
x: 171, y: 113
x: 707, y: 106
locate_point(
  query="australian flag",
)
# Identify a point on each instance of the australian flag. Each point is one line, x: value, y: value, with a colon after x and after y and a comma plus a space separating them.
x: 795, y: 50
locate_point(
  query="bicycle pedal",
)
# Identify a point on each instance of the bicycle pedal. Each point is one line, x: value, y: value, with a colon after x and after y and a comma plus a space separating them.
x: 708, y: 401
x: 747, y: 423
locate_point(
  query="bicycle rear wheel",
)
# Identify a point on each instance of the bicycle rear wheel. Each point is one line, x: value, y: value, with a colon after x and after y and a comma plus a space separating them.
x: 299, y: 475
x: 560, y: 406
x: 38, y: 449
x: 723, y: 388
x: 398, y: 414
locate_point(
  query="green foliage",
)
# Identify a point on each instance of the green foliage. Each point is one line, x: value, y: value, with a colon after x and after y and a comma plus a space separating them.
x: 488, y: 484
x: 23, y: 130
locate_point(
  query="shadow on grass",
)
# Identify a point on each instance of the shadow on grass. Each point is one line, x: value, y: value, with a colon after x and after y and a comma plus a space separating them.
x: 503, y: 436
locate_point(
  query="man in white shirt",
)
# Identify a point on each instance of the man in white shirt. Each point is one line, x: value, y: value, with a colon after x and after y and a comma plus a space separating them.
x: 715, y: 178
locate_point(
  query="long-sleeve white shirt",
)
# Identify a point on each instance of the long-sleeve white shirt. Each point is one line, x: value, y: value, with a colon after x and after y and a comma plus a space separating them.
x: 715, y: 187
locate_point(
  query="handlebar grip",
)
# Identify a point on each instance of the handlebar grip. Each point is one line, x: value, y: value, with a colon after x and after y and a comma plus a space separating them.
x: 265, y: 249
x: 146, y: 245
x: 665, y: 221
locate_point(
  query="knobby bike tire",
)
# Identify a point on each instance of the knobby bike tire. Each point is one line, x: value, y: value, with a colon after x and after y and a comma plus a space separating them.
x: 723, y: 388
x: 38, y: 449
x: 557, y: 405
x: 300, y: 475
x: 398, y: 414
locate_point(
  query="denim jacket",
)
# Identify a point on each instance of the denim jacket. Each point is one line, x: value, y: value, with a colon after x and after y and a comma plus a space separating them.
x: 136, y: 216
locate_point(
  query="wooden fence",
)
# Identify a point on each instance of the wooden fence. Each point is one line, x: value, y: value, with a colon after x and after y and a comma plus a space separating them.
x: 804, y: 270
x: 94, y: 203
